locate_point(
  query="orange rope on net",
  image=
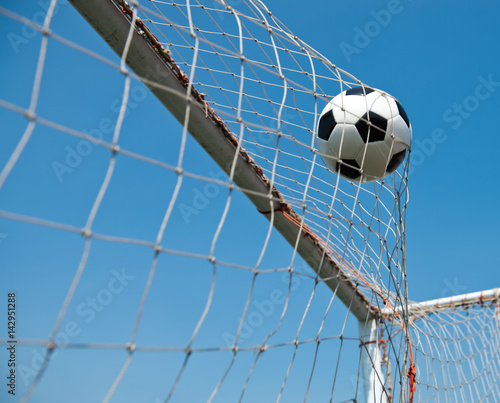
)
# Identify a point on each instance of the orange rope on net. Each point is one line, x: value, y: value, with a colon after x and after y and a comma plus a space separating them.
x: 411, y: 374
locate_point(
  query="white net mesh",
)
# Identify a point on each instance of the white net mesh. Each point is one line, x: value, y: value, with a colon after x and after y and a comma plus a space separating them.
x: 456, y: 352
x: 147, y: 264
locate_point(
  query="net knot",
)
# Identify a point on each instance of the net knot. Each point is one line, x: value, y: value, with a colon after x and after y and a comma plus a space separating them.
x: 412, y: 373
x: 379, y: 341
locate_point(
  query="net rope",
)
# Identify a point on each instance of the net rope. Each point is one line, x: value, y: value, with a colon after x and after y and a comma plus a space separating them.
x: 208, y: 324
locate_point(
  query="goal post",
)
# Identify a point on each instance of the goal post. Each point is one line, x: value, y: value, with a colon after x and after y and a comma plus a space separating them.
x: 463, y: 301
x: 375, y: 390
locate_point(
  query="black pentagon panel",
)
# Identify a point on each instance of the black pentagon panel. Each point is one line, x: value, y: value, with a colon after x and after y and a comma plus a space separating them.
x: 349, y: 168
x: 326, y: 125
x: 358, y: 91
x: 403, y: 114
x: 395, y: 161
x: 375, y: 131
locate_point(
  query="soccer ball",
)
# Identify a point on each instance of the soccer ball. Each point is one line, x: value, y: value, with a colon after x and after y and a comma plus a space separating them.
x: 363, y: 134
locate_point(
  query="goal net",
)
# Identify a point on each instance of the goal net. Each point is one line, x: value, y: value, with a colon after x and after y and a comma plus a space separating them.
x: 170, y: 232
x: 455, y: 344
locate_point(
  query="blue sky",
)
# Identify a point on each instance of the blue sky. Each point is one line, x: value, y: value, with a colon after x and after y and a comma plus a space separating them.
x: 440, y: 60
